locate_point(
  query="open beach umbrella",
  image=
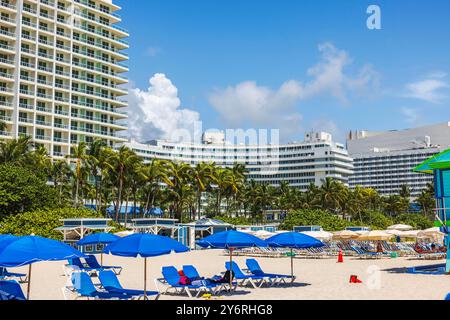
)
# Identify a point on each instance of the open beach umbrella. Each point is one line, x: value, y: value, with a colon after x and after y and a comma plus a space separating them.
x: 410, y: 234
x: 395, y: 232
x: 98, y: 238
x: 263, y: 234
x: 231, y: 240
x: 345, y: 235
x: 144, y: 246
x: 293, y: 240
x: 400, y: 227
x: 22, y: 251
x: 376, y: 235
x: 319, y: 235
x: 431, y: 233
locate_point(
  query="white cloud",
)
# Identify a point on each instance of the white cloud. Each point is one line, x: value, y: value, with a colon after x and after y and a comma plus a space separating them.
x: 429, y: 89
x: 155, y: 113
x: 248, y: 102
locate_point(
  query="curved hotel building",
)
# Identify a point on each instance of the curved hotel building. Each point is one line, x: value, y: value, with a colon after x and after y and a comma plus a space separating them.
x: 299, y: 164
x: 61, y: 65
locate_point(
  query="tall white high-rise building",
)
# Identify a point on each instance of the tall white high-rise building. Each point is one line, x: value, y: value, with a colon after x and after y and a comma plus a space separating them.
x: 61, y: 65
x: 385, y: 161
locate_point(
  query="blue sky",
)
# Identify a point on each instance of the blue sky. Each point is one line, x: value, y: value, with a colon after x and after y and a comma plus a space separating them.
x: 288, y: 64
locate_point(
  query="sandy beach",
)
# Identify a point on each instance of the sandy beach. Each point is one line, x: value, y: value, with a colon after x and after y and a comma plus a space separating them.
x: 317, y: 279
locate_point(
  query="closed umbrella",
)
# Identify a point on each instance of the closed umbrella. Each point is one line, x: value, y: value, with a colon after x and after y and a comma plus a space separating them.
x: 231, y: 240
x: 98, y: 238
x: 293, y: 240
x: 144, y: 246
x: 22, y: 251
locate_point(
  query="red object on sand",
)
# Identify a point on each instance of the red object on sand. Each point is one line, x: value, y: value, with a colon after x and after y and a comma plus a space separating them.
x: 354, y: 279
x: 340, y: 257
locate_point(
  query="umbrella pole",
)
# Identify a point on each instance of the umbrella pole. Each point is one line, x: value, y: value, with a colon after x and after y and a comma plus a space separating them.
x: 231, y: 268
x: 292, y: 266
x: 29, y: 282
x: 101, y: 259
x: 145, y: 279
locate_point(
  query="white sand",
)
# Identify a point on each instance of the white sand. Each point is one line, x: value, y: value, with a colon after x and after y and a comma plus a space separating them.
x: 317, y: 279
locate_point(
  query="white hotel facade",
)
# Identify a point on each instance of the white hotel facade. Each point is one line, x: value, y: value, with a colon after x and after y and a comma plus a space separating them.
x: 299, y: 164
x: 61, y: 65
x: 385, y: 161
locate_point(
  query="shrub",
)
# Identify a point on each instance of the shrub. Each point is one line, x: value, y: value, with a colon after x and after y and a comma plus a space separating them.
x: 376, y: 220
x: 418, y: 221
x: 43, y: 222
x: 322, y: 218
x: 21, y: 190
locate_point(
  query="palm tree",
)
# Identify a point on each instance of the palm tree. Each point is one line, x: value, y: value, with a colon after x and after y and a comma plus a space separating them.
x: 178, y: 185
x: 331, y: 195
x: 153, y: 173
x: 79, y: 156
x: 202, y: 175
x: 15, y: 151
x: 60, y: 172
x: 123, y: 160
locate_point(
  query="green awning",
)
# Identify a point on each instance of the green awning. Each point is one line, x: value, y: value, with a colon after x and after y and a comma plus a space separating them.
x: 439, y: 161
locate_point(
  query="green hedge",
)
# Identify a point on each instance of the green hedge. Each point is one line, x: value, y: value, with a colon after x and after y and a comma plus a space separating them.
x: 42, y: 222
x: 317, y: 217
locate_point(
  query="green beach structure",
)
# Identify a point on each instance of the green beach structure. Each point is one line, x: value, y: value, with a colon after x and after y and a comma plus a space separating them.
x: 439, y: 166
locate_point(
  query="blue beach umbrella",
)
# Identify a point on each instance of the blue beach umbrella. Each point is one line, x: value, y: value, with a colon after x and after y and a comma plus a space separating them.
x: 98, y: 238
x: 22, y: 251
x: 144, y: 246
x: 231, y: 240
x: 293, y: 240
x: 156, y: 212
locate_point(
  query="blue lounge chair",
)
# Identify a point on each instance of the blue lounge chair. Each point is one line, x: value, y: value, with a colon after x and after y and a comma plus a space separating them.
x: 83, y: 286
x: 192, y: 273
x: 244, y: 279
x: 109, y: 281
x: 254, y: 267
x: 6, y: 275
x: 172, y: 280
x: 11, y: 290
x: 92, y: 262
x: 76, y: 262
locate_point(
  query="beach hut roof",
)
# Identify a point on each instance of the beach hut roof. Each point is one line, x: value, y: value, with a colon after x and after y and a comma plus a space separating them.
x: 439, y: 161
